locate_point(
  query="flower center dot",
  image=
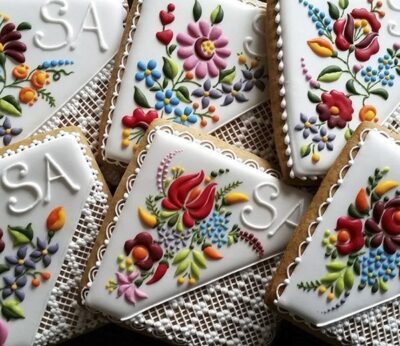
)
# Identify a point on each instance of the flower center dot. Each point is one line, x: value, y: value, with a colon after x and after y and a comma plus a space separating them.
x: 234, y: 92
x: 206, y: 94
x: 147, y: 72
x: 183, y: 117
x: 45, y: 252
x: 1, y: 48
x: 8, y: 131
x: 139, y: 253
x: 396, y: 217
x: 208, y: 47
x: 334, y: 110
x: 167, y: 101
x: 14, y: 287
x: 21, y: 261
x: 307, y: 124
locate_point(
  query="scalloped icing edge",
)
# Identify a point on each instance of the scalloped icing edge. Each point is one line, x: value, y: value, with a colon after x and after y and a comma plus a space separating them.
x: 282, y: 93
x: 121, y: 66
x: 140, y: 158
x: 96, y: 195
x: 310, y: 231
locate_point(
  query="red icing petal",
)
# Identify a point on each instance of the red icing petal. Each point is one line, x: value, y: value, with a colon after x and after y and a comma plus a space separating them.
x: 202, y: 206
x: 187, y: 220
x: 156, y: 252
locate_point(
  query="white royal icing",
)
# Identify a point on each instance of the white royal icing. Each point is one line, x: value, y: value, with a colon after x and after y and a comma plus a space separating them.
x: 310, y: 307
x: 246, y: 38
x: 294, y: 28
x: 81, y: 34
x: 178, y: 149
x: 30, y: 172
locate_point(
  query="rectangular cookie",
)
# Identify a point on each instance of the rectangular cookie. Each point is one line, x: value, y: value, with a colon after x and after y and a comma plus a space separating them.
x: 183, y: 61
x: 53, y: 200
x: 189, y: 210
x: 49, y: 50
x: 343, y: 258
x: 333, y: 65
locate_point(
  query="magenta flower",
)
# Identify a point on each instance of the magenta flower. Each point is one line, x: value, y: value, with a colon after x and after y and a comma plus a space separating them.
x: 203, y: 48
x: 127, y: 288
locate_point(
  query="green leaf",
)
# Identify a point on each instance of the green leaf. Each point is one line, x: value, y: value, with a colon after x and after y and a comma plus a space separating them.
x: 2, y: 59
x: 227, y: 76
x: 335, y: 266
x: 375, y: 287
x: 305, y: 150
x: 170, y: 68
x: 313, y: 97
x: 9, y: 108
x: 24, y: 26
x: 339, y: 287
x: 357, y: 267
x: 260, y: 85
x: 381, y: 93
x: 12, y: 310
x: 165, y: 83
x: 4, y: 268
x: 348, y: 278
x: 20, y: 235
x: 330, y: 278
x: 217, y: 16
x: 172, y: 48
x: 348, y: 133
x: 390, y: 51
x: 183, y: 94
x: 181, y: 255
x: 173, y: 220
x: 343, y: 4
x: 197, y: 11
x: 140, y: 98
x: 383, y: 287
x: 199, y: 259
x: 350, y: 87
x: 12, y: 100
x: 330, y: 74
x: 353, y: 212
x: 333, y: 11
x: 183, y: 266
x: 155, y: 88
x: 195, y: 271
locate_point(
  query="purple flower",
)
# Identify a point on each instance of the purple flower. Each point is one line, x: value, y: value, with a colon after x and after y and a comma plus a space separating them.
x: 21, y: 263
x: 7, y: 132
x: 206, y: 92
x: 324, y: 139
x: 44, y: 252
x: 307, y: 126
x: 14, y: 286
x: 127, y: 289
x: 233, y: 93
x: 174, y: 241
x: 252, y: 79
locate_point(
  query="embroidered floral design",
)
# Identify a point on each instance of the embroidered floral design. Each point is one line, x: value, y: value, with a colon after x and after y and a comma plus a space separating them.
x: 189, y: 88
x: 347, y: 38
x: 192, y: 218
x: 28, y: 85
x: 20, y: 272
x: 364, y: 248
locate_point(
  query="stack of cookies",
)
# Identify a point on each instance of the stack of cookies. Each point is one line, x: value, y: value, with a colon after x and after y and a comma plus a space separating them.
x: 177, y: 109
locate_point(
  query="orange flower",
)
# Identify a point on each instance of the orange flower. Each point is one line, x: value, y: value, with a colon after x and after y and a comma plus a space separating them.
x: 368, y: 113
x: 21, y: 71
x: 321, y: 47
x: 56, y: 219
x: 28, y: 96
x: 39, y: 79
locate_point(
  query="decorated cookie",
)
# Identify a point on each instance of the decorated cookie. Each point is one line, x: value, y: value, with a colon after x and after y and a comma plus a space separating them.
x: 51, y: 208
x: 177, y: 223
x: 344, y: 258
x: 334, y: 64
x: 184, y: 61
x: 49, y: 49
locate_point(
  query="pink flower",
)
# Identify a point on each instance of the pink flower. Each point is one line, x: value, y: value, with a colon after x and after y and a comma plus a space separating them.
x: 3, y: 333
x: 203, y: 48
x: 127, y: 288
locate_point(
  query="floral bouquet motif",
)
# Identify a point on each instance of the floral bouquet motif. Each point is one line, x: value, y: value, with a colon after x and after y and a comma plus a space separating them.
x: 364, y: 248
x: 191, y: 222
x: 29, y: 83
x: 22, y: 269
x: 348, y: 38
x: 187, y: 93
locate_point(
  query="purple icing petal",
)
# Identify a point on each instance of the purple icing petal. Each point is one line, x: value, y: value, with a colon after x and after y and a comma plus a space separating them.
x: 16, y: 132
x: 7, y: 123
x: 46, y: 260
x: 52, y: 249
x: 21, y: 254
x: 11, y: 260
x: 226, y: 88
x: 36, y: 254
x: 240, y: 97
x: 198, y: 92
x: 20, y: 295
x: 205, y: 102
x: 207, y: 85
x: 41, y: 244
x: 228, y: 100
x: 7, y: 139
x: 215, y: 94
x: 21, y: 282
x: 6, y: 292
